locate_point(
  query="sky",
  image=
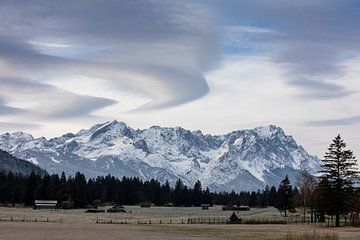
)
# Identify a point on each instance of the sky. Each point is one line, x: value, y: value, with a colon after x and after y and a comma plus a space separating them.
x: 216, y: 66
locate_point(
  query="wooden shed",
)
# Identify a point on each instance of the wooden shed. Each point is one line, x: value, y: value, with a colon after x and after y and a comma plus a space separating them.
x: 45, y: 204
x: 235, y: 218
x: 205, y: 206
x: 116, y: 208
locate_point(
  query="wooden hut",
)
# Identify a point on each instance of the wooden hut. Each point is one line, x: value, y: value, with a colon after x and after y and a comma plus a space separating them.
x: 235, y: 218
x: 45, y: 204
x: 116, y: 209
x: 205, y: 206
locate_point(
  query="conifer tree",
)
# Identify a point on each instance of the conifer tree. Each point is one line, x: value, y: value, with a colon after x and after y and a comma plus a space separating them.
x: 285, y: 200
x: 340, y: 171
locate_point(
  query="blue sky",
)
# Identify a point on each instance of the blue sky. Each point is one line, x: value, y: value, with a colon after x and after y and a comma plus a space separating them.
x: 216, y: 66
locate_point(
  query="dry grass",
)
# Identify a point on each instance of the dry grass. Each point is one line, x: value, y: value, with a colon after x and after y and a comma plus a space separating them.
x: 315, y: 235
x: 76, y: 224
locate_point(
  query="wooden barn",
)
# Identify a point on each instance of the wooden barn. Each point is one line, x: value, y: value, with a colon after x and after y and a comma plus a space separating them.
x: 116, y: 209
x: 107, y: 209
x: 205, y: 206
x: 46, y: 204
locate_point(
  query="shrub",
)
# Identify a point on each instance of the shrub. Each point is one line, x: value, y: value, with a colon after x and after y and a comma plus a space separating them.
x: 66, y: 205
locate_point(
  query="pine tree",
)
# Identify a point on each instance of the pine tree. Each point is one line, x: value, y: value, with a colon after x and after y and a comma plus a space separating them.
x: 197, y: 194
x: 340, y: 171
x: 285, y: 200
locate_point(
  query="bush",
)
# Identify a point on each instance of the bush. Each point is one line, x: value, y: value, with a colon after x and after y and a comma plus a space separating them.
x: 96, y: 203
x: 67, y: 205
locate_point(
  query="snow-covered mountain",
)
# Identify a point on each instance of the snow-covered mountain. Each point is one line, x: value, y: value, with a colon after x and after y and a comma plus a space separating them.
x: 240, y: 160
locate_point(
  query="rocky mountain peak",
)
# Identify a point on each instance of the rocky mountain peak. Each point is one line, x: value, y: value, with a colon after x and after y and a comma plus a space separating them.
x: 240, y: 160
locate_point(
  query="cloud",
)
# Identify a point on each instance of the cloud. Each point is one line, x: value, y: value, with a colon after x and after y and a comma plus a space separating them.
x: 321, y: 89
x: 8, y: 126
x: 46, y: 101
x: 309, y: 39
x: 156, y: 48
x: 347, y: 121
x: 5, y: 109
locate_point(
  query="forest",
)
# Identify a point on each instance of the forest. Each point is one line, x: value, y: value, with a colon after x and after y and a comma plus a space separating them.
x: 78, y: 192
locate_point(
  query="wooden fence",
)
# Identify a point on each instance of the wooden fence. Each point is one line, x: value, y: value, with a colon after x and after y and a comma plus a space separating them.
x: 27, y: 219
x: 329, y: 222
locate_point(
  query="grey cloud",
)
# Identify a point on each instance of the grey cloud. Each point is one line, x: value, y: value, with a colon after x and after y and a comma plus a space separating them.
x: 51, y: 102
x: 5, y: 109
x: 310, y: 39
x: 9, y: 126
x: 106, y: 39
x: 335, y: 122
x: 321, y: 89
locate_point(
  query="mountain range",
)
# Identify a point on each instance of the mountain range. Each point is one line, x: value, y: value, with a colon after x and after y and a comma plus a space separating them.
x: 9, y: 163
x: 239, y: 160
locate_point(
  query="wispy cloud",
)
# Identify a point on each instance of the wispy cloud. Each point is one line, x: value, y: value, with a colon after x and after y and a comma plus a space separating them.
x: 46, y: 101
x: 13, y: 126
x: 335, y: 122
x: 309, y: 39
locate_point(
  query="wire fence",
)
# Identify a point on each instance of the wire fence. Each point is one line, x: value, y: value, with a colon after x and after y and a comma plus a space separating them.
x: 329, y: 221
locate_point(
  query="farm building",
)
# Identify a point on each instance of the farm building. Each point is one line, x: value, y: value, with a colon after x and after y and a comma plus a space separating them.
x: 106, y: 209
x: 145, y: 204
x: 45, y: 204
x: 235, y: 208
x: 235, y: 218
x: 116, y: 208
x: 205, y: 206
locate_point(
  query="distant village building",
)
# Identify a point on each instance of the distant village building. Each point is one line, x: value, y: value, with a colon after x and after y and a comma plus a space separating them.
x: 205, y: 206
x: 116, y: 209
x: 145, y: 204
x: 107, y: 209
x: 45, y: 204
x: 235, y: 208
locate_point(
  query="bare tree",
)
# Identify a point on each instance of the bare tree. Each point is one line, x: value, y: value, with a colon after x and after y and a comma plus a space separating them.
x: 307, y: 184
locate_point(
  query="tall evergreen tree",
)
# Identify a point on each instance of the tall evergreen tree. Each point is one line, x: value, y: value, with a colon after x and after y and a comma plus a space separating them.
x: 340, y: 171
x: 285, y: 200
x: 197, y: 194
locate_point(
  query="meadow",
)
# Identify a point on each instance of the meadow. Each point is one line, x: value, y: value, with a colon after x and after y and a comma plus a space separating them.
x: 154, y: 223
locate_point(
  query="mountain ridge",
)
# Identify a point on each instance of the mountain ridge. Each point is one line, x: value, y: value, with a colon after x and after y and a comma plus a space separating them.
x: 9, y: 163
x: 239, y: 160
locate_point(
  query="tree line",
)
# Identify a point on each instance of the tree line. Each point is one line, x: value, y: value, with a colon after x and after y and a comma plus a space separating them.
x: 78, y: 192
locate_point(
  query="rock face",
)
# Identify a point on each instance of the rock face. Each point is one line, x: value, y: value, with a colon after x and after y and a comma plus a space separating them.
x: 10, y: 163
x: 240, y: 160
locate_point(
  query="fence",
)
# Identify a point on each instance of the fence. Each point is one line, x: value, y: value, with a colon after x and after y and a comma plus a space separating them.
x: 329, y: 222
x: 24, y: 219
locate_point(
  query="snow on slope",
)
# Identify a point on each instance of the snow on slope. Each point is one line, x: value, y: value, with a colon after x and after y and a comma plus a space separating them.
x: 240, y: 160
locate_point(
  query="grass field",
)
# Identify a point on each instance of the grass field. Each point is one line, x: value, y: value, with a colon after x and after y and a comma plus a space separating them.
x: 75, y: 224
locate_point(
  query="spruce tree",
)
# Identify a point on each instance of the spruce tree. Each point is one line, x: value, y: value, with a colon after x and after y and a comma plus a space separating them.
x: 340, y: 171
x: 285, y: 200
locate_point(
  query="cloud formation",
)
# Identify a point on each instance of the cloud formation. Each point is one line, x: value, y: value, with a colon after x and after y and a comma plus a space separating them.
x: 347, y: 121
x: 309, y: 39
x: 47, y: 101
x: 156, y: 48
